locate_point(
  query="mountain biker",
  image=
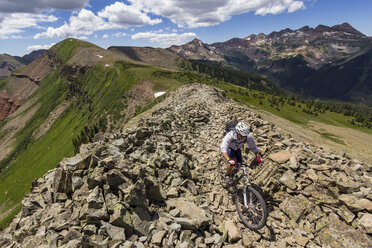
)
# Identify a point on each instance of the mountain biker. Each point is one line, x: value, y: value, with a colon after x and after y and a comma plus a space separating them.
x: 232, y: 143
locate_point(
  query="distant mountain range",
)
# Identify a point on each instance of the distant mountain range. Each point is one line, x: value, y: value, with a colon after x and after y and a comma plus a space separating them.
x: 332, y: 63
x: 323, y: 62
x: 9, y: 63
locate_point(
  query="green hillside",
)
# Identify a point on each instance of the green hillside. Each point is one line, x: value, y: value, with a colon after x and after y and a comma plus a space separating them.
x: 10, y: 60
x: 95, y: 86
x: 96, y: 99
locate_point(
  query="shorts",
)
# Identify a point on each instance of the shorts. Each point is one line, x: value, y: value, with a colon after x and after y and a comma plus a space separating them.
x: 235, y: 154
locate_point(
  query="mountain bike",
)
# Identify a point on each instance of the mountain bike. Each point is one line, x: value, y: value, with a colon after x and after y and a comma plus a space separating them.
x: 249, y: 202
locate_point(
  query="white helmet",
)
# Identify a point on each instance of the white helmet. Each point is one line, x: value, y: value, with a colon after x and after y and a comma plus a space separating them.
x: 242, y: 129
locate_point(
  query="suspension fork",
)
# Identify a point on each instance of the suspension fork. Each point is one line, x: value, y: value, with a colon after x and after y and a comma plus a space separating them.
x: 247, y: 183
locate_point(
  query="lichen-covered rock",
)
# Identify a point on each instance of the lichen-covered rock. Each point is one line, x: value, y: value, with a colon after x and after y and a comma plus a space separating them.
x: 336, y: 233
x: 295, y: 207
x: 289, y: 180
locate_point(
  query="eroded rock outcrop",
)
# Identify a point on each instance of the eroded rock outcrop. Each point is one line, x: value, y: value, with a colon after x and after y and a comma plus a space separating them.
x: 154, y: 184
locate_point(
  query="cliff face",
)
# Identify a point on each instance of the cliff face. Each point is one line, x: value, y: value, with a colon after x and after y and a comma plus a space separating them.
x: 154, y: 184
x: 7, y: 105
x: 22, y: 84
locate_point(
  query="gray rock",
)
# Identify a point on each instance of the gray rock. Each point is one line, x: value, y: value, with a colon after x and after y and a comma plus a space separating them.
x: 366, y: 222
x: 289, y: 180
x: 348, y: 186
x: 196, y: 215
x: 122, y: 218
x: 77, y: 182
x: 345, y: 214
x: 183, y: 166
x: 338, y: 234
x: 135, y: 195
x: 141, y: 221
x: 62, y: 181
x: 312, y: 175
x: 175, y: 212
x: 157, y: 238
x: 79, y: 162
x: 96, y: 177
x: 176, y: 182
x: 232, y: 231
x: 154, y: 190
x: 281, y: 157
x: 294, y: 165
x: 354, y: 203
x: 176, y: 227
x: 115, y: 232
x: 114, y: 178
x: 95, y: 198
x: 295, y: 207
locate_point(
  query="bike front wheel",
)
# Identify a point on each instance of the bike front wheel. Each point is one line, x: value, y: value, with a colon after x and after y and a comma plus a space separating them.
x: 253, y: 211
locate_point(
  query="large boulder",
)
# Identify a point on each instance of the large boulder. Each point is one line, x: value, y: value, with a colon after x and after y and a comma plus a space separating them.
x: 355, y: 204
x: 121, y: 217
x: 141, y: 221
x: 135, y: 195
x: 289, y: 180
x: 296, y: 206
x: 281, y: 157
x: 366, y: 223
x: 336, y: 234
x: 62, y: 181
x: 191, y: 211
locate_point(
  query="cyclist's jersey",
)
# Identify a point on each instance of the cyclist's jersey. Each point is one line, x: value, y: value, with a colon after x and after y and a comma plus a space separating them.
x: 231, y: 141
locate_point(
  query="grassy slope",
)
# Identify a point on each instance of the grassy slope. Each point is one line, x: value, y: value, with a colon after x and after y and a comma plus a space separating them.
x: 107, y: 90
x: 288, y: 112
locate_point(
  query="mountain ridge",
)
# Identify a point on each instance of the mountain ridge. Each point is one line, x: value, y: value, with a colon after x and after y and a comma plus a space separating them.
x: 316, y: 50
x: 9, y: 63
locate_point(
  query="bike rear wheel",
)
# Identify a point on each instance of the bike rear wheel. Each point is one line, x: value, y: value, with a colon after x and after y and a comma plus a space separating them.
x: 254, y: 213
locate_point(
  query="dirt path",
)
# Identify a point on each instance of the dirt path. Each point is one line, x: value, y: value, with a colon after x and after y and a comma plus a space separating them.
x: 357, y: 144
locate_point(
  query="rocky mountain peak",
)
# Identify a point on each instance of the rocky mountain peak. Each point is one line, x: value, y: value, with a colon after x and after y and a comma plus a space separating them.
x: 346, y: 27
x: 280, y: 33
x: 305, y: 29
x: 154, y: 184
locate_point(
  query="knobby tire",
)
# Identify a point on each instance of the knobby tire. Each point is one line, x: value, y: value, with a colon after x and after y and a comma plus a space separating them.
x: 258, y: 208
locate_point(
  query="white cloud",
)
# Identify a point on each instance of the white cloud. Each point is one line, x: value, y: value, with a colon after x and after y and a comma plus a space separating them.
x: 164, y: 38
x: 121, y: 15
x: 35, y: 6
x: 38, y: 47
x: 120, y: 34
x: 200, y: 13
x: 15, y: 23
x: 85, y: 22
x: 105, y: 36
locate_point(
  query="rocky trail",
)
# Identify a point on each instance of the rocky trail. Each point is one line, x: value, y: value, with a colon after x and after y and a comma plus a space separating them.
x: 154, y: 184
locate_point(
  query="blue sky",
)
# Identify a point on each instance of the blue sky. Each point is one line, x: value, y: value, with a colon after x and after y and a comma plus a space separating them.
x: 35, y: 24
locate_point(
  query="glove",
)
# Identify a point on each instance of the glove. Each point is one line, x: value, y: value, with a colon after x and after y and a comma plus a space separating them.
x: 259, y: 160
x: 232, y: 162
